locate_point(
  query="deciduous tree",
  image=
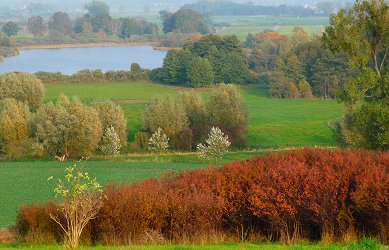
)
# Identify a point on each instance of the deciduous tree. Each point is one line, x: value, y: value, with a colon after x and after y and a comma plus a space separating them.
x: 36, y: 26
x: 24, y: 87
x: 10, y: 28
x: 69, y: 128
x: 80, y: 202
x: 228, y: 111
x: 112, y: 115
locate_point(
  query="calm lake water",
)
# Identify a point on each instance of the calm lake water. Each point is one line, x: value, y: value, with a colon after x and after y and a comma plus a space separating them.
x: 72, y: 60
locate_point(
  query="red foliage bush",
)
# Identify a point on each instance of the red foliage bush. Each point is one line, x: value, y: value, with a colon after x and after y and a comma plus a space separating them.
x: 36, y: 226
x: 308, y: 193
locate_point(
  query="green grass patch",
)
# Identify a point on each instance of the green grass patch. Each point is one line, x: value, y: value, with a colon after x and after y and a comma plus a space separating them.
x: 271, y: 21
x: 26, y: 182
x: 128, y: 90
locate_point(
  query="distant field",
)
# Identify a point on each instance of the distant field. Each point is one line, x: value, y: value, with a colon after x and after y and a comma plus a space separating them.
x: 273, y: 122
x: 242, y: 25
x: 26, y: 182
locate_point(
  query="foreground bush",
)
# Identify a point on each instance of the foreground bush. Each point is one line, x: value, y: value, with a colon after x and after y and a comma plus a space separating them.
x: 310, y: 194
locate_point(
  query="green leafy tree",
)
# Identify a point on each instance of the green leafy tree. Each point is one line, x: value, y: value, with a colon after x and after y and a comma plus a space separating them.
x: 185, y: 21
x: 69, y: 128
x: 251, y: 41
x: 216, y: 145
x: 234, y: 69
x: 110, y: 143
x: 167, y: 114
x: 36, y: 26
x: 10, y: 28
x: 80, y: 201
x: 14, y: 126
x: 361, y: 32
x: 196, y: 112
x: 141, y: 140
x: 101, y: 23
x: 228, y: 111
x: 158, y: 141
x: 112, y: 115
x: 60, y: 23
x: 6, y: 41
x: 171, y: 64
x: 267, y: 49
x: 305, y: 90
x: 324, y: 81
x: 24, y: 87
x: 127, y: 29
x: 200, y: 72
x: 83, y: 25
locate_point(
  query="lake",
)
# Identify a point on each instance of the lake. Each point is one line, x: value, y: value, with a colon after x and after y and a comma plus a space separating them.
x: 72, y: 60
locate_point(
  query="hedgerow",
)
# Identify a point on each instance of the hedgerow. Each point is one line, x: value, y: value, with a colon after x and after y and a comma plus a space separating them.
x: 305, y: 194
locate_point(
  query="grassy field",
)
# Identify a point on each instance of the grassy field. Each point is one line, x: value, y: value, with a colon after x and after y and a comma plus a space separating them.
x: 26, y: 182
x: 242, y: 25
x: 273, y: 122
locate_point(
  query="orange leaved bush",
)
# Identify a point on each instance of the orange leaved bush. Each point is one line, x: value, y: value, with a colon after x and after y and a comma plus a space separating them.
x: 313, y: 194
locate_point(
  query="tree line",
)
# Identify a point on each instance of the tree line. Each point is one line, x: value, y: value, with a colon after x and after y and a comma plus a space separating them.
x: 228, y: 8
x: 204, y: 60
x: 70, y: 128
x: 97, y: 24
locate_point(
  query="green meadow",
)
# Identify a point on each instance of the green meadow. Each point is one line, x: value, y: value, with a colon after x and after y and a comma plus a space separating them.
x: 272, y: 123
x: 242, y: 25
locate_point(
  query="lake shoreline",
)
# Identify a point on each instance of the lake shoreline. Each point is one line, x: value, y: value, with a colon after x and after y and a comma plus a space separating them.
x: 83, y: 45
x: 60, y: 58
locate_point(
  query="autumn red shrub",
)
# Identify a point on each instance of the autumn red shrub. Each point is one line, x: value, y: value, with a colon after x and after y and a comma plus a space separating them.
x: 35, y: 225
x: 314, y: 194
x: 194, y: 208
x: 128, y: 211
x: 371, y: 200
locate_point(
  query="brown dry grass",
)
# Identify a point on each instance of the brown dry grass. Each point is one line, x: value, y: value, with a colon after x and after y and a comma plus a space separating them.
x: 7, y: 235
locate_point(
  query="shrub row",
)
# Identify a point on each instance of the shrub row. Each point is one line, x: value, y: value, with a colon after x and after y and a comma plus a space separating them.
x: 94, y: 76
x: 313, y: 194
